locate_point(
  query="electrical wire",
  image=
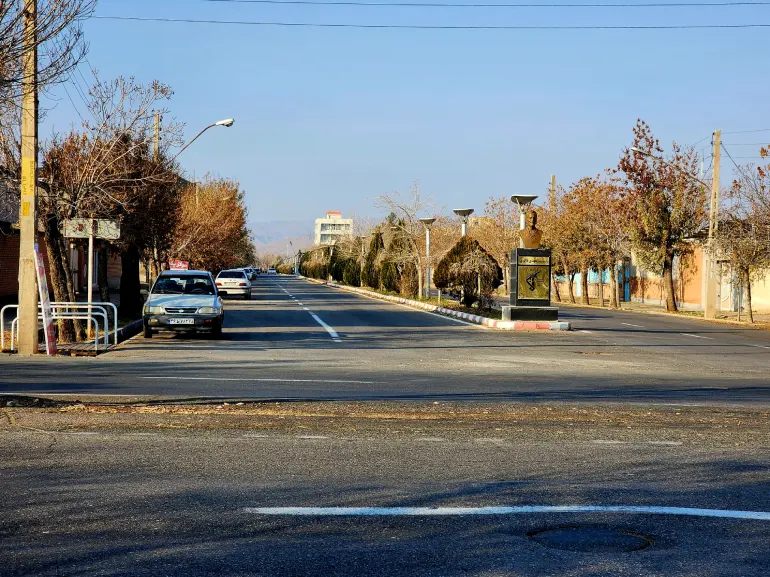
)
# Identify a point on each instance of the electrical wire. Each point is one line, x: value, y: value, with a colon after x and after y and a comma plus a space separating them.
x: 485, y: 5
x: 430, y: 27
x: 749, y: 131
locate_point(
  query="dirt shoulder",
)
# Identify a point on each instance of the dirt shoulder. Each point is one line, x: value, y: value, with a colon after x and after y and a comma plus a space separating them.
x: 675, y: 424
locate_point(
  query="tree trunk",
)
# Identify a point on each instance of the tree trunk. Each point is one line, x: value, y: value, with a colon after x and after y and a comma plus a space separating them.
x: 104, y: 287
x: 601, y: 288
x: 130, y: 295
x: 747, y: 284
x: 556, y: 287
x: 613, y: 303
x: 668, y: 284
x: 59, y: 276
x: 570, y: 280
x: 584, y: 286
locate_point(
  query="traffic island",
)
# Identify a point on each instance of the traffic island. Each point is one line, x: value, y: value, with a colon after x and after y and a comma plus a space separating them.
x: 505, y: 325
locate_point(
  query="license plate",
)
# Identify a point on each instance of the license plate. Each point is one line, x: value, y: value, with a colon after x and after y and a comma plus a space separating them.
x: 181, y: 321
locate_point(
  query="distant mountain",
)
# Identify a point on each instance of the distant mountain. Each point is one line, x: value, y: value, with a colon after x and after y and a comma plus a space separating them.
x: 272, y: 237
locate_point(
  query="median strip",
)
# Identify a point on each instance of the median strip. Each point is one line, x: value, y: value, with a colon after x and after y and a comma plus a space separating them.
x: 476, y: 319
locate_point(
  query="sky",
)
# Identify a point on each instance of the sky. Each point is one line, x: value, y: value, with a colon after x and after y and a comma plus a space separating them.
x: 331, y: 118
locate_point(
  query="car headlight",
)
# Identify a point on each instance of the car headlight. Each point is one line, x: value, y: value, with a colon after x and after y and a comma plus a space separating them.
x: 208, y: 311
x: 153, y: 310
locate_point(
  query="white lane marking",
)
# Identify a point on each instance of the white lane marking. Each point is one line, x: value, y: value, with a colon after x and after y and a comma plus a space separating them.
x: 525, y: 509
x: 666, y: 443
x: 260, y: 380
x: 696, y: 336
x: 630, y: 325
x: 758, y: 347
x: 431, y: 439
x: 329, y: 330
x: 585, y: 331
x: 608, y: 442
x: 312, y: 437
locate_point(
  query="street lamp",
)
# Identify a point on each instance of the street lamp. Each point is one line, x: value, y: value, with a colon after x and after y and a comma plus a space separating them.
x: 709, y: 311
x: 427, y: 222
x: 463, y: 213
x: 227, y: 122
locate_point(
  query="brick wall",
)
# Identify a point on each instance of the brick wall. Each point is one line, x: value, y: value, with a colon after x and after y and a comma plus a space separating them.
x: 9, y: 264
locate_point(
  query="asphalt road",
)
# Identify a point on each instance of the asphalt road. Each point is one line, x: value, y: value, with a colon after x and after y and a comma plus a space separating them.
x: 162, y: 497
x: 298, y: 340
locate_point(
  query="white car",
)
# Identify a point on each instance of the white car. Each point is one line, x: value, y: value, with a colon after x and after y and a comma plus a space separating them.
x: 271, y: 270
x: 186, y: 301
x: 234, y: 282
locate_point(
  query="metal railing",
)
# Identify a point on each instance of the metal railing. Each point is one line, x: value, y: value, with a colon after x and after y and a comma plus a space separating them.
x: 70, y: 310
x: 57, y: 316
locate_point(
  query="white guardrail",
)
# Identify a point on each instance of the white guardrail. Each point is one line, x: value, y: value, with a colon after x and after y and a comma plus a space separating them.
x: 69, y: 310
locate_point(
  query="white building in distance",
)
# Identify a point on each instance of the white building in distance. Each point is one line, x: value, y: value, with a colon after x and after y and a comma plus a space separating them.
x: 331, y: 228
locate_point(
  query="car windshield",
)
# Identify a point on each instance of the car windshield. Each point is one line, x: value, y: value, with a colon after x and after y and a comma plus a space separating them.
x: 230, y: 274
x: 184, y: 284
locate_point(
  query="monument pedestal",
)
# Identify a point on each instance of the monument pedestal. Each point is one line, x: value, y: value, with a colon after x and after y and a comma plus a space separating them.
x: 530, y: 286
x: 511, y: 313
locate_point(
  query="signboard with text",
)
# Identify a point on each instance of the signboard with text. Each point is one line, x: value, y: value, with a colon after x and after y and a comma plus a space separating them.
x: 45, y: 303
x: 81, y: 228
x: 174, y: 264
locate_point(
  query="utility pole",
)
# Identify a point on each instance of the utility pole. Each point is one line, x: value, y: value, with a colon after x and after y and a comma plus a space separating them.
x: 552, y: 196
x: 156, y: 137
x: 28, y: 207
x: 711, y: 265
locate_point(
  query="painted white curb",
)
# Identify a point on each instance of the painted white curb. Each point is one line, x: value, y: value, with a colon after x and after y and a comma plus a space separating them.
x: 477, y: 319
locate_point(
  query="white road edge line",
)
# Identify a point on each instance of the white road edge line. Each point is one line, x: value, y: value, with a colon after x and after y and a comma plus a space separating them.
x: 696, y: 336
x: 520, y: 510
x: 630, y: 325
x: 759, y: 347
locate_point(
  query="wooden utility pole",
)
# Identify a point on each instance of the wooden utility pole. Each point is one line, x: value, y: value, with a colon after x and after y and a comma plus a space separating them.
x: 28, y: 208
x: 711, y: 265
x: 156, y: 138
x: 552, y: 195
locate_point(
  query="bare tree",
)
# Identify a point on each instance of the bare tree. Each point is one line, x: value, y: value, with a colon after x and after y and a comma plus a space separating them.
x: 59, y: 39
x: 406, y: 211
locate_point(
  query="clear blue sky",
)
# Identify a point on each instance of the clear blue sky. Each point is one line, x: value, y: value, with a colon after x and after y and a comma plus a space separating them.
x: 331, y: 118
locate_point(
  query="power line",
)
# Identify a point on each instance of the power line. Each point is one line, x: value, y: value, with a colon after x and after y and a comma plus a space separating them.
x: 484, y: 5
x: 749, y: 131
x: 428, y: 27
x: 748, y: 143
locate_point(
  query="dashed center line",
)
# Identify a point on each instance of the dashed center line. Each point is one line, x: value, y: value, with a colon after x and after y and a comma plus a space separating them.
x: 630, y: 325
x: 696, y: 336
x: 334, y: 335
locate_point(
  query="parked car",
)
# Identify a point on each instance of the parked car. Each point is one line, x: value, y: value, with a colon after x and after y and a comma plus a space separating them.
x: 183, y: 300
x: 251, y: 273
x: 234, y: 282
x: 271, y: 270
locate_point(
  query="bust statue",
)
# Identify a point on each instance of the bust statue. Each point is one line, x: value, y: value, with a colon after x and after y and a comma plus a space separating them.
x: 530, y: 236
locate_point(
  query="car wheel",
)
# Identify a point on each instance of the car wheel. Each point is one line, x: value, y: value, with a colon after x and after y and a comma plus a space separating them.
x: 247, y: 296
x: 147, y: 332
x: 217, y: 332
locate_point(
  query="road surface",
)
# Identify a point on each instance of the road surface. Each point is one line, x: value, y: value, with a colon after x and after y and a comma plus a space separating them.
x: 279, y: 346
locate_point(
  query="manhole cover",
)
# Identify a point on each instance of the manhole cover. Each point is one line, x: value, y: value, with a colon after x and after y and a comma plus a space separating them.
x: 591, y: 540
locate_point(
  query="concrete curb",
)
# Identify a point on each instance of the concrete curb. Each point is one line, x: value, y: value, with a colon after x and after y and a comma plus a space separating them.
x: 130, y: 330
x: 476, y: 319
